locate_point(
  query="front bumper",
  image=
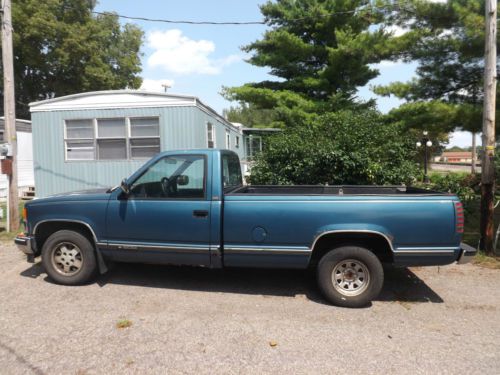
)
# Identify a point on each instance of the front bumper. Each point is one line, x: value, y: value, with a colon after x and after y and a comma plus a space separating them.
x: 25, y: 244
x: 467, y: 253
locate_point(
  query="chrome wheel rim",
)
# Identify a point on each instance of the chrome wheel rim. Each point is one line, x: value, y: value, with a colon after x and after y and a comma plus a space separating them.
x: 67, y: 258
x: 350, y: 277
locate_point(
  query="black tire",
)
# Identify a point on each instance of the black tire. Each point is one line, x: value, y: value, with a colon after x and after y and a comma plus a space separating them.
x: 69, y: 258
x: 359, y: 279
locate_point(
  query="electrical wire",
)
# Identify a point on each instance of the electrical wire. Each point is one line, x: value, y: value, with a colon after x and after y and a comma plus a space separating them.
x: 401, y: 6
x: 246, y: 23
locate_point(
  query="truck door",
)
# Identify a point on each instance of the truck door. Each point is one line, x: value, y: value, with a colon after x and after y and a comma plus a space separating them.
x: 165, y: 217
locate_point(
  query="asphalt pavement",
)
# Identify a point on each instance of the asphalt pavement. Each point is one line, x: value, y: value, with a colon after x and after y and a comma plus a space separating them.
x: 151, y: 319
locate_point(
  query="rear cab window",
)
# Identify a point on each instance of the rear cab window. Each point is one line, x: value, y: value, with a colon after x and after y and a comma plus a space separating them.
x: 231, y: 172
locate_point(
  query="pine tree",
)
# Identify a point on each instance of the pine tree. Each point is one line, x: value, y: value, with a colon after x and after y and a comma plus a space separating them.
x: 320, y: 52
x: 447, y: 41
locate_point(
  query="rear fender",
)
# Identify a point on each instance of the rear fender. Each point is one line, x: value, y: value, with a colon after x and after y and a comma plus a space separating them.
x: 353, y: 228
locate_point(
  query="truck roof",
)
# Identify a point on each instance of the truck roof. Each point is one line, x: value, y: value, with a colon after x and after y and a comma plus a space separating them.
x: 197, y: 150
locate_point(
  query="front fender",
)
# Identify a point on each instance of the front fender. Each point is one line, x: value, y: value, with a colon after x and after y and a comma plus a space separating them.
x: 92, y: 214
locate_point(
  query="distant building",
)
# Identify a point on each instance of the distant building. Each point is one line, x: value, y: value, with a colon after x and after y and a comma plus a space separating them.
x: 452, y: 157
x: 25, y: 174
x: 254, y: 139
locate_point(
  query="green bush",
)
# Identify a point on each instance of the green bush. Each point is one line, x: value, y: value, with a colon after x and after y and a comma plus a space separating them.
x: 345, y: 147
x: 465, y: 185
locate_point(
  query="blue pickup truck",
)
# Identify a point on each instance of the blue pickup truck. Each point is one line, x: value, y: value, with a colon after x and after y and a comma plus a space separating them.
x: 192, y: 208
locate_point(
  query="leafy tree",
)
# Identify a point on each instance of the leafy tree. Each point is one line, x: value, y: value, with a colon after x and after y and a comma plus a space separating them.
x: 345, y: 147
x: 321, y: 51
x: 61, y: 48
x: 455, y: 149
x: 250, y: 116
x: 447, y: 40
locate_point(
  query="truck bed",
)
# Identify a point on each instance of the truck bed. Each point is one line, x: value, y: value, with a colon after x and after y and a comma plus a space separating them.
x: 330, y: 190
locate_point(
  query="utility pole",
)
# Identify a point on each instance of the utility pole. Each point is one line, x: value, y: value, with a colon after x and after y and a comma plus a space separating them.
x: 488, y: 166
x: 10, y: 113
x: 474, y: 154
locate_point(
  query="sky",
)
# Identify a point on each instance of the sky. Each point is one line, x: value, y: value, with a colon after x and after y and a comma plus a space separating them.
x: 201, y: 59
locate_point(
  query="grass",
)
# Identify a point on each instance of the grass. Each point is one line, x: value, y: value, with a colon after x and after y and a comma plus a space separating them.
x: 5, y: 235
x: 472, y: 234
x: 8, y: 236
x: 486, y: 261
x: 123, y: 323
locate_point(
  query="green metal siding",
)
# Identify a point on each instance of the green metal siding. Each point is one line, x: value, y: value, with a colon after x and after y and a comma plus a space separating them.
x: 180, y: 128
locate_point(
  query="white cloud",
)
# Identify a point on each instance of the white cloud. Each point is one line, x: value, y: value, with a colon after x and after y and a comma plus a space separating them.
x: 156, y: 84
x: 462, y: 139
x: 396, y: 30
x: 446, y: 33
x: 387, y: 63
x: 178, y: 54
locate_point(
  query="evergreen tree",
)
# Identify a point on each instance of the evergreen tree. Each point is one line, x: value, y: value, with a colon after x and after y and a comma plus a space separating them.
x: 447, y: 41
x: 320, y: 51
x: 250, y: 116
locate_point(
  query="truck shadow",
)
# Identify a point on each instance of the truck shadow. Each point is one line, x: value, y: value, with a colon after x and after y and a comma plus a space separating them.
x: 401, y: 284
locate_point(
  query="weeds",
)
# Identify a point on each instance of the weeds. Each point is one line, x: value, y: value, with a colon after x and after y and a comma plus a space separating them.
x: 486, y: 261
x: 123, y: 323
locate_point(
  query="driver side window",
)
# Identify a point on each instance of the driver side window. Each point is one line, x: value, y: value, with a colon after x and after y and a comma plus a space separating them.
x: 172, y: 177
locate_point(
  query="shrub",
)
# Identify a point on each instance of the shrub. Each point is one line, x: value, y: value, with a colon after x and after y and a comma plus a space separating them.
x: 346, y: 147
x: 465, y: 185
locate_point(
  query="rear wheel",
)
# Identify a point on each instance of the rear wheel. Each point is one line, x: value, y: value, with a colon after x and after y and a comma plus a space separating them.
x: 350, y: 276
x: 69, y: 258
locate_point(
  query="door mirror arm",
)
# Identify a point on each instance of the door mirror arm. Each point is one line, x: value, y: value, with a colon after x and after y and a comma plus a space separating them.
x: 125, y: 186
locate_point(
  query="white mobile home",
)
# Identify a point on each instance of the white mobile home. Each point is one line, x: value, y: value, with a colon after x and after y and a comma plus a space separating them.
x: 95, y: 139
x: 25, y: 177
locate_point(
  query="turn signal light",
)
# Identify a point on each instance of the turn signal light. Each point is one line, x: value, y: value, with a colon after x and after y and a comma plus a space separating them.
x: 459, y: 217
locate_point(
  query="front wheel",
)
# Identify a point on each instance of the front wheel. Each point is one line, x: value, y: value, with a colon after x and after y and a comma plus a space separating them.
x: 69, y: 258
x: 350, y: 276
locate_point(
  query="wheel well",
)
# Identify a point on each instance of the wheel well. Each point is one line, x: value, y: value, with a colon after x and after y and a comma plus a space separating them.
x: 45, y: 230
x: 374, y: 242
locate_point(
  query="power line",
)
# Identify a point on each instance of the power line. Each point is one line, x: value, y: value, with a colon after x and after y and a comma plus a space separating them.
x: 244, y: 23
x: 401, y: 6
x: 179, y: 21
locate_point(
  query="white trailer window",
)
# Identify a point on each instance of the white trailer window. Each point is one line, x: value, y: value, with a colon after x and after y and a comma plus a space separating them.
x: 120, y: 138
x: 253, y: 146
x: 210, y: 135
x: 144, y: 137
x: 79, y: 140
x: 228, y: 139
x: 112, y: 139
x: 80, y: 150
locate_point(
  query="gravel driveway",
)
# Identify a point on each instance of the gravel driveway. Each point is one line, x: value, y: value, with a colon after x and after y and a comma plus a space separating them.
x: 188, y: 320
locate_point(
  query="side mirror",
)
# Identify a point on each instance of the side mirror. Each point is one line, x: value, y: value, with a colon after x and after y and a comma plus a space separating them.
x: 124, y: 186
x: 182, y: 180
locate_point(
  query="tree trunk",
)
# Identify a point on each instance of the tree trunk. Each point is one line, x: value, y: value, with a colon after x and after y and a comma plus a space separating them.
x: 488, y: 165
x: 474, y: 155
